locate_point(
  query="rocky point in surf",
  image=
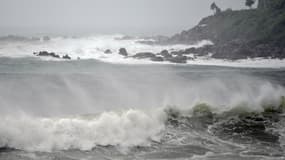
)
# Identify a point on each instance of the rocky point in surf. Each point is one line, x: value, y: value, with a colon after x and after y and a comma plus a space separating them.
x: 241, y: 34
x: 93, y: 95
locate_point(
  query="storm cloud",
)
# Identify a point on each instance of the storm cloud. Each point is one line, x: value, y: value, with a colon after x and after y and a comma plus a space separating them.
x: 145, y: 17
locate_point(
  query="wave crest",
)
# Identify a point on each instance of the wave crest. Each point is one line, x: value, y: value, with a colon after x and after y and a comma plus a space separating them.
x: 130, y: 128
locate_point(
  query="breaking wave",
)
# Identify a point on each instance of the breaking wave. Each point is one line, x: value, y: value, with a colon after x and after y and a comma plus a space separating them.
x: 130, y: 128
x: 133, y: 127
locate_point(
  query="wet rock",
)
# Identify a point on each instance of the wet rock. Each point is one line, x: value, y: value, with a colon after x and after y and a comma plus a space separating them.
x: 190, y: 50
x: 46, y: 54
x: 66, y: 57
x: 107, y: 51
x: 143, y: 55
x: 43, y: 53
x: 123, y: 52
x: 165, y: 54
x: 203, y: 51
x: 178, y: 59
x: 157, y: 59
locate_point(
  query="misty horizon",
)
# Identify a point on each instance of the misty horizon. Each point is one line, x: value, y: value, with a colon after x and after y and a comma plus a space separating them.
x: 160, y: 17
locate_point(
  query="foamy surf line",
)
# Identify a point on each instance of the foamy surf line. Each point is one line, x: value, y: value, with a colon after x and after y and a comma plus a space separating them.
x: 244, y: 63
x: 94, y: 47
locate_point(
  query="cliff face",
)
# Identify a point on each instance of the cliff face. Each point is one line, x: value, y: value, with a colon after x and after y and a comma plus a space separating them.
x: 249, y: 33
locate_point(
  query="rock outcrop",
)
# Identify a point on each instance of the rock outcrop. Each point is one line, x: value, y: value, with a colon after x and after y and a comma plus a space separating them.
x: 144, y: 55
x: 46, y: 54
x: 123, y: 52
x: 240, y: 34
x: 66, y: 57
x: 50, y: 54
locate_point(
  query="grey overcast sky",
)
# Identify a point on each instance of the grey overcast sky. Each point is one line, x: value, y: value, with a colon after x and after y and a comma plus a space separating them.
x: 149, y: 17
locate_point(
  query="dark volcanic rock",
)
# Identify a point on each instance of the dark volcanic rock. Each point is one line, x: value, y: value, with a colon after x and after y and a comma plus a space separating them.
x: 47, y: 54
x: 123, y: 51
x: 239, y: 34
x: 144, y: 55
x: 177, y: 53
x: 165, y: 54
x: 66, y: 56
x: 205, y: 50
x: 157, y: 59
x: 241, y: 50
x: 43, y: 53
x: 107, y: 51
x: 190, y: 50
x: 178, y: 59
x: 54, y: 55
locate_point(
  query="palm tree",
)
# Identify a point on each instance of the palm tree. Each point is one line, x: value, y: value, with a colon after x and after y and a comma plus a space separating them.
x: 215, y: 8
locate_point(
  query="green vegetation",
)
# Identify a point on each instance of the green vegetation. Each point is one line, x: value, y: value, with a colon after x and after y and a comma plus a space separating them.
x: 255, y: 24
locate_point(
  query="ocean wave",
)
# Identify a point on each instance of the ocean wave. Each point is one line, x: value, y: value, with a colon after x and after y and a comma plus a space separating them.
x: 130, y: 128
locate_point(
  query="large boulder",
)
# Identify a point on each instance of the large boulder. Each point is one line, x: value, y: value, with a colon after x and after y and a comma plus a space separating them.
x: 143, y: 55
x: 165, y: 54
x: 123, y: 52
x: 42, y: 53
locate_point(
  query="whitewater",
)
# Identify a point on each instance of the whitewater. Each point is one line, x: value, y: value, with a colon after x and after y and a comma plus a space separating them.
x: 93, y: 47
x: 107, y: 106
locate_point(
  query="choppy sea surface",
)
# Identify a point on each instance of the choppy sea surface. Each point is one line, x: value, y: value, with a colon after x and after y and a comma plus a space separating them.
x: 111, y: 108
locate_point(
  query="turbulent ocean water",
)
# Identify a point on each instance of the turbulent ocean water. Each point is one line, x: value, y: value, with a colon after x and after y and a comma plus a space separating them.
x: 111, y: 107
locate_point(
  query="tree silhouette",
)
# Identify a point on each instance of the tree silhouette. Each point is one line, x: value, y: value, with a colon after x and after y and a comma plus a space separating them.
x: 249, y: 3
x: 215, y: 8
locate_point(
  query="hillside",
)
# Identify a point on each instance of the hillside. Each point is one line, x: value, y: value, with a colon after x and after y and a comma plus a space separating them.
x: 241, y: 34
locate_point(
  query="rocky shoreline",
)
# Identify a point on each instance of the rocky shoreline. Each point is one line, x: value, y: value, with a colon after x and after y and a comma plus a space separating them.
x: 241, y: 34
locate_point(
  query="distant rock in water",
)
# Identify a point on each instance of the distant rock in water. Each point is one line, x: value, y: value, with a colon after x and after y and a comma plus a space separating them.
x: 123, y: 52
x: 107, y: 51
x: 165, y: 54
x: 157, y: 59
x: 66, y: 57
x: 46, y: 38
x: 46, y: 54
x: 178, y: 59
x: 144, y: 55
x: 174, y: 57
x: 51, y: 54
